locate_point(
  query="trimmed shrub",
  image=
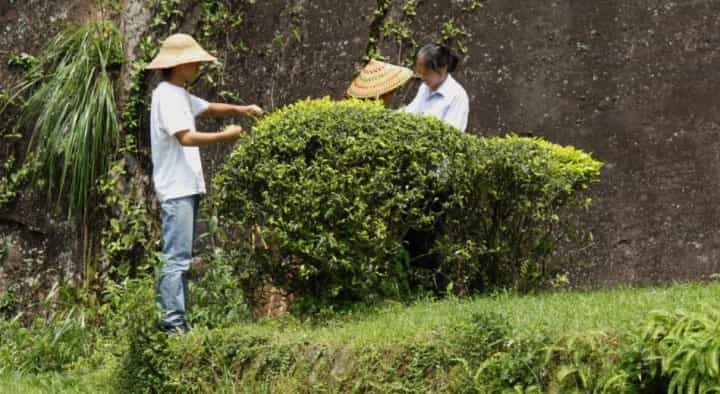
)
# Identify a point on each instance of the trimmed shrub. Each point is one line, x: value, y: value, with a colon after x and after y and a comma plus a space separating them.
x: 503, y: 216
x: 322, y: 198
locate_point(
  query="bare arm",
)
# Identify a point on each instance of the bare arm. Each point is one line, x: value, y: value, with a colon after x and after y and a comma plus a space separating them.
x: 220, y: 110
x: 194, y: 138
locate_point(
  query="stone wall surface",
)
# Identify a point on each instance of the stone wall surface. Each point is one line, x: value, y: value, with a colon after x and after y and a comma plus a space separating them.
x: 632, y: 82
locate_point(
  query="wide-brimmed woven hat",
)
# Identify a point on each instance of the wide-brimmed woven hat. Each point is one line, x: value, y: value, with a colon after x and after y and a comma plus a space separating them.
x: 378, y: 78
x: 179, y: 49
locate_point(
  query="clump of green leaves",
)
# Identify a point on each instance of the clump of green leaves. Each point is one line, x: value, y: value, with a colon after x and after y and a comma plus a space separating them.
x: 72, y: 110
x: 127, y: 243
x: 23, y: 61
x: 11, y: 181
x: 217, y: 300
x: 321, y: 198
x: 687, y: 345
x: 48, y: 345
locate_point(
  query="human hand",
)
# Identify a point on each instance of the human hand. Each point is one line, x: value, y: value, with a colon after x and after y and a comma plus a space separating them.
x: 253, y: 110
x: 233, y: 132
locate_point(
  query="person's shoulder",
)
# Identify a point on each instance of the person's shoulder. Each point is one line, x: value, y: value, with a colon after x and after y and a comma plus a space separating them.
x: 423, y: 88
x: 166, y: 91
x: 458, y: 90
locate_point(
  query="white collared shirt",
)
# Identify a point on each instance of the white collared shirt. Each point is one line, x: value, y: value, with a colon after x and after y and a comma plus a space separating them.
x: 449, y: 103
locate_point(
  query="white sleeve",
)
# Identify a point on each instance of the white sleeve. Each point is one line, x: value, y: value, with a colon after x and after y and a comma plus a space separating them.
x: 198, y: 105
x: 175, y: 113
x: 457, y: 113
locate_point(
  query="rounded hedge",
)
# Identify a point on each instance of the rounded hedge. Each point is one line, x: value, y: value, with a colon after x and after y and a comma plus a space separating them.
x: 323, y: 198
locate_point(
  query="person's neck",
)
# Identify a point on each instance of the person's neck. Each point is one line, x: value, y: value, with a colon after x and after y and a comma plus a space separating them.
x: 176, y: 80
x: 436, y: 87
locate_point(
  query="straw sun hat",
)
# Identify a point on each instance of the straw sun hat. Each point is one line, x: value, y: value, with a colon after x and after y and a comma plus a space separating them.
x: 378, y: 78
x: 179, y: 49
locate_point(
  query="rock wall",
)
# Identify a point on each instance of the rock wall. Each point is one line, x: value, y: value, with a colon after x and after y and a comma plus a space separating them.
x: 632, y: 82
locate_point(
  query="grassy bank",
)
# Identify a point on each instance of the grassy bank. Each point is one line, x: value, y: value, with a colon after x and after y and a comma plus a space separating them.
x: 548, y: 342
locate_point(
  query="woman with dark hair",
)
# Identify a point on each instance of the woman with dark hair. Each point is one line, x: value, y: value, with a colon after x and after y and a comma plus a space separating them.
x: 440, y: 95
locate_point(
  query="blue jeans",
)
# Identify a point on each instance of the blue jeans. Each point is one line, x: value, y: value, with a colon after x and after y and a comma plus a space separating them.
x: 178, y: 216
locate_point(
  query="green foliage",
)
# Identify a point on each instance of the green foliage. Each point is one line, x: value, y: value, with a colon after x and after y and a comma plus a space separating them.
x: 333, y: 195
x: 23, y: 60
x: 381, y: 9
x: 8, y: 299
x: 252, y: 357
x: 503, y: 217
x: 132, y: 319
x: 49, y: 345
x: 472, y: 5
x: 166, y: 15
x: 72, y: 110
x: 217, y: 300
x: 13, y: 181
x: 451, y: 32
x: 688, y: 343
x: 320, y: 199
x: 127, y: 243
x: 219, y: 18
x: 110, y: 8
x: 586, y: 363
x: 410, y: 8
x: 503, y: 344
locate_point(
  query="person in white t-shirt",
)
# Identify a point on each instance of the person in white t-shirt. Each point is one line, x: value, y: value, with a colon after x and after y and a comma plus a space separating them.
x: 177, y: 170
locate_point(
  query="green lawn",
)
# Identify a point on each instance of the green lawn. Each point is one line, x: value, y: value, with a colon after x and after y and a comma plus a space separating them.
x: 72, y: 383
x: 553, y: 314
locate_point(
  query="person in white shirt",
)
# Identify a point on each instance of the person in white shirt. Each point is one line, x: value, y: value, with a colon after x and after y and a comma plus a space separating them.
x: 440, y: 95
x: 177, y: 170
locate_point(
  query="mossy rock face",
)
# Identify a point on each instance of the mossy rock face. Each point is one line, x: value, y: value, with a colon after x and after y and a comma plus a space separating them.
x: 333, y: 188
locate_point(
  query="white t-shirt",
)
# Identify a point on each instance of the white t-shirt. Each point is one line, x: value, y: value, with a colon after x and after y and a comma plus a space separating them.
x: 177, y: 169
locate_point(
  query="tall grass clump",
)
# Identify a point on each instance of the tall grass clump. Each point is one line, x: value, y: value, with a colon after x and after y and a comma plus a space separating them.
x: 71, y: 110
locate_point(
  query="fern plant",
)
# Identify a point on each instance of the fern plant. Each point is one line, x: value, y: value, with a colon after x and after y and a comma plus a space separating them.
x: 587, y: 363
x: 689, y: 345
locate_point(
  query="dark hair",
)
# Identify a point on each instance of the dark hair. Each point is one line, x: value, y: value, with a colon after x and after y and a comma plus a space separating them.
x: 438, y: 56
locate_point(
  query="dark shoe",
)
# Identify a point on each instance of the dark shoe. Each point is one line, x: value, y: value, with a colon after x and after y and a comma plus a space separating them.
x: 176, y: 330
x: 180, y: 330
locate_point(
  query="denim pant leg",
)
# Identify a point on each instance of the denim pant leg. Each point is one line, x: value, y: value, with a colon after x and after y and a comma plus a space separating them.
x: 178, y: 228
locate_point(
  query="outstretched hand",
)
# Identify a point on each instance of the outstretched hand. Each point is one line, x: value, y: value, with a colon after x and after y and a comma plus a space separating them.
x: 253, y: 110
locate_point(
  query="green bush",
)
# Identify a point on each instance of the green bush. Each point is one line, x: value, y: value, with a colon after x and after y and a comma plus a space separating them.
x: 322, y: 197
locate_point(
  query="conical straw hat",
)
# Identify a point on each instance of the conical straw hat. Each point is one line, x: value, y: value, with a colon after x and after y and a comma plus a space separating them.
x: 378, y: 78
x: 179, y: 49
